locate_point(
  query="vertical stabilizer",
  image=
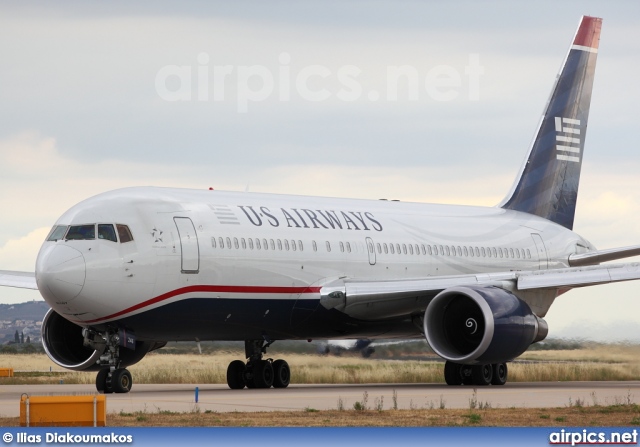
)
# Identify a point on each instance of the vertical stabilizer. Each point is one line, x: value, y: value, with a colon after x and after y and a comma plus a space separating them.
x: 548, y: 182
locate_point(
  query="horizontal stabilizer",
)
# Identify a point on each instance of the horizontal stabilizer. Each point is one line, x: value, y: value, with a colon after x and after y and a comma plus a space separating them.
x: 21, y: 280
x: 596, y: 257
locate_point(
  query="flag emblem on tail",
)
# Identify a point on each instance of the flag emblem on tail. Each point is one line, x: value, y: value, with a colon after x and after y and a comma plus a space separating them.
x: 568, y: 139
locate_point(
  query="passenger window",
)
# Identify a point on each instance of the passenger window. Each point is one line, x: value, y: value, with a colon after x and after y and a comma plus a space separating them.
x: 500, y: 252
x: 349, y: 247
x: 417, y: 249
x: 258, y: 244
x: 392, y: 250
x: 235, y: 243
x: 315, y: 246
x: 466, y: 252
x: 301, y: 247
x: 495, y: 252
x: 528, y: 254
x: 124, y: 233
x: 386, y: 248
x: 221, y: 242
x: 424, y: 250
x: 448, y: 252
x: 244, y: 243
x: 293, y: 245
x: 484, y: 254
x: 286, y: 245
x: 488, y: 251
x: 81, y: 232
x: 264, y: 244
x: 213, y: 242
x: 379, y: 247
x: 341, y: 247
x: 279, y: 245
x: 410, y: 249
x: 250, y: 244
x: 328, y: 246
x: 398, y: 249
x: 272, y: 243
x: 229, y: 242
x: 511, y: 251
x: 107, y: 232
x: 57, y: 233
x: 429, y: 250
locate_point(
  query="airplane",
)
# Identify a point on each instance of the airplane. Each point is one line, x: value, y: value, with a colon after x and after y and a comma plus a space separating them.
x: 364, y: 346
x: 128, y: 270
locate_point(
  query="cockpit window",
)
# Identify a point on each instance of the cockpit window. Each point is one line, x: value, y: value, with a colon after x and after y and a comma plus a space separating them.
x: 107, y: 232
x: 124, y: 233
x: 57, y: 233
x: 81, y: 232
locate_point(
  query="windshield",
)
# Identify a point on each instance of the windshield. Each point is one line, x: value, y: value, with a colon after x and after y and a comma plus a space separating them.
x: 81, y: 232
x: 57, y: 233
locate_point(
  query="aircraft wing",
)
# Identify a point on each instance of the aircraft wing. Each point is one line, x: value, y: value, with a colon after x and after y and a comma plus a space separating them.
x: 21, y: 280
x: 385, y: 299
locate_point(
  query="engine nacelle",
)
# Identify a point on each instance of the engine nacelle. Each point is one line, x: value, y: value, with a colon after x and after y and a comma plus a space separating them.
x: 63, y: 342
x: 471, y: 325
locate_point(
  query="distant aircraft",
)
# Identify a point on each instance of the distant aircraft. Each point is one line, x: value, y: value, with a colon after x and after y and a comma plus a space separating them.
x: 128, y: 270
x: 364, y: 346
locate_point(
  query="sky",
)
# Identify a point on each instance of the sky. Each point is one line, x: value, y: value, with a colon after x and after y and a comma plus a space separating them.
x: 300, y: 97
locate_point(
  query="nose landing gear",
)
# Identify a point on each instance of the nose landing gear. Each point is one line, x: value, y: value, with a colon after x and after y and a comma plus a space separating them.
x: 258, y: 372
x: 112, y: 378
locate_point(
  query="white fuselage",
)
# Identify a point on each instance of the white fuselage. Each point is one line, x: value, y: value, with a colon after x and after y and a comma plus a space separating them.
x: 219, y: 246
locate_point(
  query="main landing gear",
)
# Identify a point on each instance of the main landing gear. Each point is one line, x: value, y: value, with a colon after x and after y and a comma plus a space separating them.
x: 257, y: 372
x: 479, y: 375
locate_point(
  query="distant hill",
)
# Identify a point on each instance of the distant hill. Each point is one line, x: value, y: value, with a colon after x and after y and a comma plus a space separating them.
x: 26, y: 318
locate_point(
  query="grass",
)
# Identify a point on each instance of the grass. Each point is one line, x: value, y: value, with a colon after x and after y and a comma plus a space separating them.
x: 579, y: 365
x: 592, y: 363
x: 611, y: 362
x: 614, y: 416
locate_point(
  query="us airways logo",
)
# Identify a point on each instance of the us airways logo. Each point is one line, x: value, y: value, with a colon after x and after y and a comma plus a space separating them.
x: 568, y: 139
x: 306, y: 218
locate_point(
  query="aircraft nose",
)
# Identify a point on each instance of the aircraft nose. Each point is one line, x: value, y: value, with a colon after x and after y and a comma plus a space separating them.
x: 60, y: 273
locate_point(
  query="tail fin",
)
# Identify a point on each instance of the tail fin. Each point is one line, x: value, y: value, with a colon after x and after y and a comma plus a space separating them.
x: 548, y: 182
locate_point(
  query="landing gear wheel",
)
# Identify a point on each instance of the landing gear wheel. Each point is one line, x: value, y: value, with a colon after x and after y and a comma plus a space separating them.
x: 235, y: 375
x: 482, y: 374
x: 101, y: 381
x: 452, y: 373
x: 500, y: 373
x: 466, y: 372
x: 121, y: 381
x: 281, y: 374
x: 263, y: 374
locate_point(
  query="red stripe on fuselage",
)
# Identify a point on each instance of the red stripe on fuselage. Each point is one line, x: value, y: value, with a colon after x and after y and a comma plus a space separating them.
x: 207, y: 289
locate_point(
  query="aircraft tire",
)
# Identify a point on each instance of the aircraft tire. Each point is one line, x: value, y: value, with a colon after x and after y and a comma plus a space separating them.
x: 121, y: 381
x: 263, y: 374
x: 281, y: 374
x: 452, y: 373
x: 482, y: 374
x: 101, y: 380
x: 235, y: 375
x: 500, y: 374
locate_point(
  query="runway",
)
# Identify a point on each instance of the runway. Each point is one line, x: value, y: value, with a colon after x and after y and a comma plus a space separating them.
x: 218, y: 398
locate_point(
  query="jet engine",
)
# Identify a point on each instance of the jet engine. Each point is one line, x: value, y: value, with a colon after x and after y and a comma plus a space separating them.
x: 64, y: 343
x: 481, y: 325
